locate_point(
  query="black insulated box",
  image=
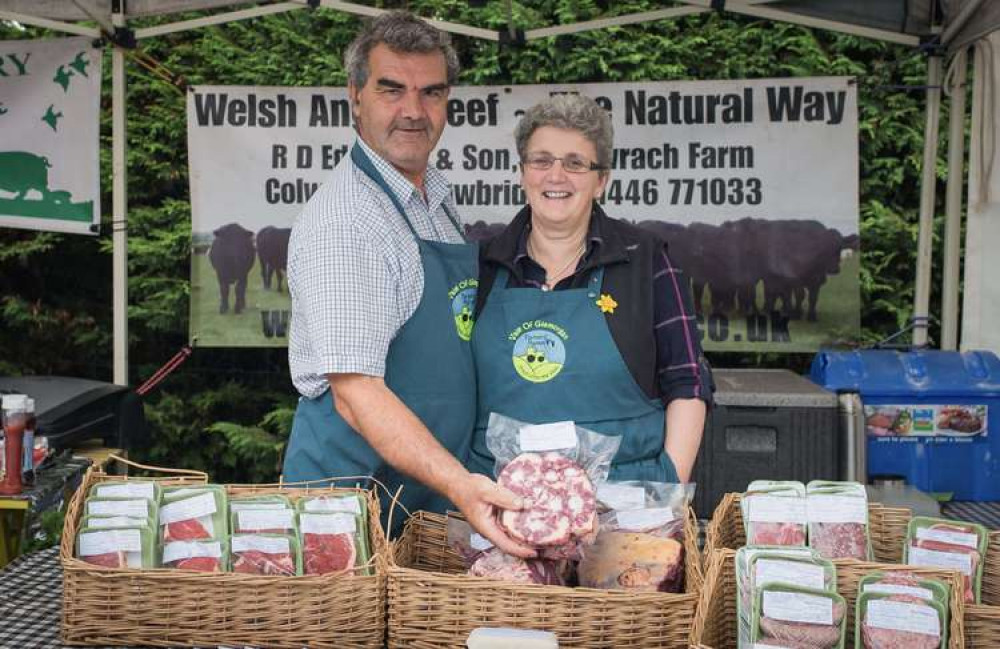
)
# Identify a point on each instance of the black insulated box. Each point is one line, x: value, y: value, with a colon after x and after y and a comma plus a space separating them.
x: 766, y: 425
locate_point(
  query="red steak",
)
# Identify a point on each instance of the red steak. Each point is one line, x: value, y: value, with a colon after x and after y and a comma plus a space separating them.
x: 326, y: 553
x: 108, y: 560
x: 201, y: 564
x: 255, y: 562
x: 777, y: 534
x: 189, y: 530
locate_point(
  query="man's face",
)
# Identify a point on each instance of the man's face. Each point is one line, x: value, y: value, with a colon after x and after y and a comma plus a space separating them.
x: 402, y: 108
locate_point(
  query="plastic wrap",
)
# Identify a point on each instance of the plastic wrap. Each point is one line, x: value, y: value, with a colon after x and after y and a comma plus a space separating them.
x: 952, y: 545
x: 194, y: 516
x: 117, y: 548
x: 482, y: 559
x: 804, y: 618
x: 889, y: 621
x: 838, y: 520
x: 210, y: 555
x: 265, y: 554
x: 774, y: 513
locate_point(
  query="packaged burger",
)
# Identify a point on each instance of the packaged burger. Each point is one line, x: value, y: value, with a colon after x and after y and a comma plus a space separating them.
x: 117, y: 548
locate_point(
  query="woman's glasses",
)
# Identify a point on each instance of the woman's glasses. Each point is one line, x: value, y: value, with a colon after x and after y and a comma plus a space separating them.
x: 572, y: 163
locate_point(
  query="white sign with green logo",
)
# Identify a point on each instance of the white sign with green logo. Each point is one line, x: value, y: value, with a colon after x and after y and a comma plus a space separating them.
x: 50, y: 93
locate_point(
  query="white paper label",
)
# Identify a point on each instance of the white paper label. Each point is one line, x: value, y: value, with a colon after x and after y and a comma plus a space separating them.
x: 777, y: 509
x: 345, y: 504
x: 327, y: 523
x: 637, y: 520
x: 935, y: 559
x: 178, y: 550
x: 236, y: 506
x: 826, y: 508
x: 93, y: 543
x: 479, y: 542
x: 265, y: 544
x: 126, y: 490
x: 101, y: 522
x: 548, y: 437
x: 795, y: 573
x: 899, y: 589
x: 621, y: 497
x: 183, y: 492
x: 798, y: 607
x: 903, y: 616
x: 182, y: 510
x: 138, y: 508
x: 265, y: 519
x: 946, y: 536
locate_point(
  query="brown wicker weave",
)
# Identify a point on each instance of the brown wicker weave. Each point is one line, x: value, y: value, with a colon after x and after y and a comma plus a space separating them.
x: 433, y: 603
x: 165, y: 607
x: 715, y: 624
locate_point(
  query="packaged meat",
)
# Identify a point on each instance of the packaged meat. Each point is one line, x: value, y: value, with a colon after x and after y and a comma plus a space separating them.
x: 774, y: 514
x: 837, y: 513
x: 117, y: 548
x: 332, y: 543
x: 889, y: 621
x: 263, y: 521
x: 805, y: 618
x: 899, y: 582
x: 265, y: 554
x: 494, y: 564
x: 464, y: 540
x: 209, y: 555
x: 192, y: 517
x: 148, y: 489
x: 352, y: 503
x: 258, y: 502
x: 953, y: 545
x: 131, y: 507
x: 115, y: 522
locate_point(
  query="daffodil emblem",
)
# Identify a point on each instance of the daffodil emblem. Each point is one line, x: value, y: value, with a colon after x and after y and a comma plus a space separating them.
x: 606, y: 303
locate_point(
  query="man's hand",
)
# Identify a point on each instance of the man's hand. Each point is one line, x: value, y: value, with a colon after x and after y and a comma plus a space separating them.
x: 477, y: 498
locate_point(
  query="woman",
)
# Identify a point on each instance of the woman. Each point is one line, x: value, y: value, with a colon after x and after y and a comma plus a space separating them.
x: 582, y: 317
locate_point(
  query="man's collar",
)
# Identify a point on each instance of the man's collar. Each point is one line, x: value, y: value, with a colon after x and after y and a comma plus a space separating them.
x: 434, y: 182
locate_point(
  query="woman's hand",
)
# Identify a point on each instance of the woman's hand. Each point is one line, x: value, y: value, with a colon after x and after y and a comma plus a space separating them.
x: 478, y: 498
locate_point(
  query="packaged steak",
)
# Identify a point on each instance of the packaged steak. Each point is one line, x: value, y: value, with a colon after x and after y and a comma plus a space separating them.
x: 900, y: 582
x: 265, y: 554
x: 148, y: 489
x: 263, y: 521
x: 482, y: 559
x: 332, y: 542
x: 117, y: 548
x: 208, y: 555
x: 352, y: 503
x: 130, y: 507
x: 774, y: 513
x: 116, y: 522
x: 837, y: 513
x: 952, y: 545
x: 255, y: 502
x: 554, y: 468
x: 804, y: 618
x: 189, y: 517
x: 888, y: 621
x: 640, y: 539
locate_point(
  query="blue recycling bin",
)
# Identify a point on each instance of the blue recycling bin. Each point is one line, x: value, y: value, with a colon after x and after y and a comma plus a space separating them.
x: 930, y: 416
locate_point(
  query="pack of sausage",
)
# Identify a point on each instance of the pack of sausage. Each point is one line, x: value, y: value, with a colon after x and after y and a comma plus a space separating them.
x: 952, y: 545
x: 554, y: 468
x: 794, y: 617
x: 640, y: 538
x: 332, y: 542
x: 760, y: 566
x: 192, y: 513
x: 483, y: 559
x: 265, y: 554
x: 117, y: 547
x: 203, y: 555
x: 900, y: 620
x: 774, y: 513
x: 838, y: 519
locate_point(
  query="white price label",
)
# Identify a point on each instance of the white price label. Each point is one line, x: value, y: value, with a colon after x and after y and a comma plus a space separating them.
x: 100, y: 522
x: 638, y: 520
x: 327, y: 523
x: 188, y: 508
x: 183, y: 492
x: 947, y: 536
x: 254, y: 520
x: 178, y: 550
x: 548, y: 437
x: 265, y: 544
x: 936, y: 559
x: 237, y: 506
x: 93, y: 543
x: 826, y: 508
x: 903, y: 616
x: 776, y: 509
x: 620, y: 497
x: 479, y: 542
x: 798, y: 607
x: 126, y: 490
x: 795, y: 573
x: 138, y: 508
x: 349, y: 504
x: 899, y: 589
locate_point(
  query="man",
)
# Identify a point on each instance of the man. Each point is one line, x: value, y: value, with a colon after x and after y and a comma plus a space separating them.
x: 376, y: 262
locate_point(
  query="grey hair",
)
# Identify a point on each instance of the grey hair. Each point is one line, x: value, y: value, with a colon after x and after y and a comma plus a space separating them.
x: 573, y: 113
x: 403, y: 33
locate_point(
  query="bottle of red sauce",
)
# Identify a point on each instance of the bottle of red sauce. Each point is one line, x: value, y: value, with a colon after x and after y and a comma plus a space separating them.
x: 15, y: 420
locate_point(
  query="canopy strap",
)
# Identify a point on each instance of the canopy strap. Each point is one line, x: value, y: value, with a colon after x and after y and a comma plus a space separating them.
x: 164, y: 371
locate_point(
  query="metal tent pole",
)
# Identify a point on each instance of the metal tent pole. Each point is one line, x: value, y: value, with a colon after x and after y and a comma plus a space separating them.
x: 953, y: 204
x: 925, y: 248
x: 119, y: 207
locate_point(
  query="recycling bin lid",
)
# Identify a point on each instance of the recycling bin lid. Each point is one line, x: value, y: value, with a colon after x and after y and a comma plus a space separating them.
x: 891, y: 373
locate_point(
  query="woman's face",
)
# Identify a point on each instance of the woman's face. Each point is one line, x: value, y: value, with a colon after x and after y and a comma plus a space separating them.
x: 556, y: 196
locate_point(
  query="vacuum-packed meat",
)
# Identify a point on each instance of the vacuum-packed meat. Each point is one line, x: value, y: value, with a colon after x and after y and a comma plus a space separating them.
x: 494, y: 564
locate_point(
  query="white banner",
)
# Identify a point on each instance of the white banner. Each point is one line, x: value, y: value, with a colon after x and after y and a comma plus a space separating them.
x: 50, y: 93
x: 753, y: 182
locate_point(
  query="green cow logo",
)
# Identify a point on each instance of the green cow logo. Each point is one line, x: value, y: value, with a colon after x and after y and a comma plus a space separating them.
x: 463, y: 304
x: 25, y: 190
x: 539, y: 355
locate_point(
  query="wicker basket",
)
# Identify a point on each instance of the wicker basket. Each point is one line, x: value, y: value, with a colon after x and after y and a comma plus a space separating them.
x: 433, y: 603
x: 163, y: 607
x: 982, y: 623
x: 715, y: 625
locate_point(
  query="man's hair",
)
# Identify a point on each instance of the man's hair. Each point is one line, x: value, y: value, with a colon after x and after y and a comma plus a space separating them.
x: 403, y: 33
x: 572, y: 113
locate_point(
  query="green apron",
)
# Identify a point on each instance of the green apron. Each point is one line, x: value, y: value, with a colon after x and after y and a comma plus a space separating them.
x: 545, y: 356
x: 429, y: 367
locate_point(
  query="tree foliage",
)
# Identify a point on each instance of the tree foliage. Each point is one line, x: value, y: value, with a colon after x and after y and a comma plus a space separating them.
x: 229, y: 411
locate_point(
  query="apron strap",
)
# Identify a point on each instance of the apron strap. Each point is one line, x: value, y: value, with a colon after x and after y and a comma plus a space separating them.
x: 364, y: 163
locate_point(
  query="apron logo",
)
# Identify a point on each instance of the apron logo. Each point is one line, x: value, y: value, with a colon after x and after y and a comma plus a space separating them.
x: 539, y: 353
x: 463, y: 304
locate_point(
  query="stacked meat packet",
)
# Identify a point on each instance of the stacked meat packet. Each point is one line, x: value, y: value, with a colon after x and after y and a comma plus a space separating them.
x: 774, y: 513
x: 837, y: 513
x: 899, y: 609
x: 793, y: 617
x: 119, y: 525
x: 194, y: 528
x: 264, y: 537
x: 952, y: 545
x: 333, y: 534
x: 760, y: 567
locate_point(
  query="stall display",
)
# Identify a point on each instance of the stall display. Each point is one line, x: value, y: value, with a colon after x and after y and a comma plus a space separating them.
x: 887, y: 620
x: 954, y: 545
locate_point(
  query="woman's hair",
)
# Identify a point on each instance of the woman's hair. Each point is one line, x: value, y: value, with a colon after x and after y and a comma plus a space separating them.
x: 573, y: 113
x: 403, y: 33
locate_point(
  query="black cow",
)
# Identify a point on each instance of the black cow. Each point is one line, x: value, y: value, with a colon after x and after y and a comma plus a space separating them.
x: 272, y: 250
x: 232, y: 256
x: 801, y: 254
